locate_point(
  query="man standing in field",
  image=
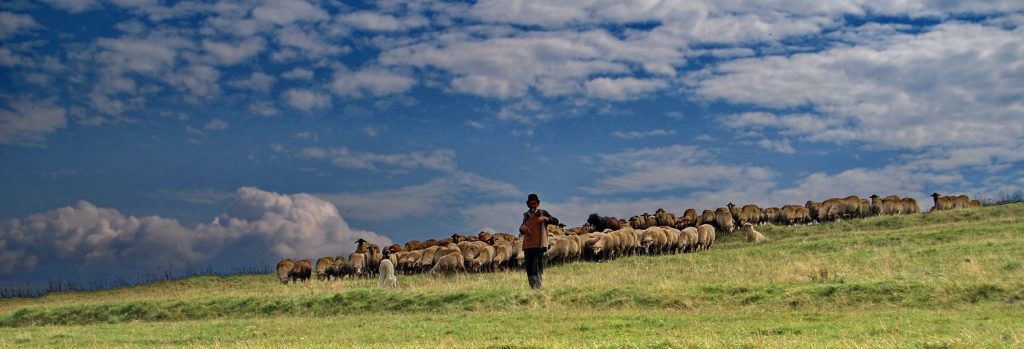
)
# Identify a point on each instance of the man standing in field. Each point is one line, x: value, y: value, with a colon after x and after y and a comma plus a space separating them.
x: 535, y: 239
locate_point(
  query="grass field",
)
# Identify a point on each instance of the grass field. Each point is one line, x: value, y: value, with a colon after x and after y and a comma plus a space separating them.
x: 943, y: 280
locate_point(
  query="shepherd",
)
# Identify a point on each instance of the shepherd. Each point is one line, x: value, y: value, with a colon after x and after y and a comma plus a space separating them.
x: 535, y: 239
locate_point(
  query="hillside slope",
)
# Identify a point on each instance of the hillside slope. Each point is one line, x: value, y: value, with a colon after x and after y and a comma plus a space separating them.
x: 949, y: 279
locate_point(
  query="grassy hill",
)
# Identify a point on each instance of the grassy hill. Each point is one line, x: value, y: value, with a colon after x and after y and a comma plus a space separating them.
x: 944, y: 280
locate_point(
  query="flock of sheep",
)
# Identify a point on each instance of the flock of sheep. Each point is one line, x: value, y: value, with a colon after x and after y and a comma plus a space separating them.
x: 601, y: 238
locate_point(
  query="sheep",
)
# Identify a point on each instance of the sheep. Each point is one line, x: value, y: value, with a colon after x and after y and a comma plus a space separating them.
x: 394, y: 248
x: 753, y: 235
x: 974, y: 203
x: 649, y: 220
x: 427, y: 258
x: 890, y: 205
x: 962, y: 201
x: 356, y: 264
x: 909, y: 206
x: 629, y: 240
x: 707, y: 217
x: 601, y: 246
x: 941, y: 202
x: 793, y: 214
x: 373, y: 258
x: 558, y: 252
x: 654, y: 240
x: 672, y: 236
x: 688, y: 219
x: 601, y: 223
x: 413, y: 245
x: 362, y: 245
x: 705, y: 237
x: 664, y: 218
x: 771, y: 215
x: 322, y: 264
x: 301, y: 270
x: 283, y: 267
x: 750, y: 214
x: 445, y: 250
x: 386, y: 271
x: 337, y: 269
x: 410, y: 261
x: 503, y: 251
x: 864, y: 209
x: 555, y: 229
x: 734, y: 211
x: 688, y: 238
x: 813, y: 210
x: 637, y: 222
x: 581, y: 230
x: 724, y: 221
x: 449, y: 264
x: 484, y: 260
x: 517, y: 257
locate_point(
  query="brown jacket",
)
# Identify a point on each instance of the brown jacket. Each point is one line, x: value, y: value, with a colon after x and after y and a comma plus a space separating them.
x: 537, y: 233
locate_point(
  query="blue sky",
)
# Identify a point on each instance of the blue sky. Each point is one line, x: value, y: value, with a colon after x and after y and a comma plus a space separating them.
x: 163, y: 134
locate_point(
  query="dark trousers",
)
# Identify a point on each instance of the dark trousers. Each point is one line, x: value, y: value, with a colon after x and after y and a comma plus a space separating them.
x: 534, y: 265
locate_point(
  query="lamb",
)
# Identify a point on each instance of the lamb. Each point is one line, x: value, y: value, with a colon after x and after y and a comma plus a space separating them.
x: 705, y: 236
x: 753, y: 235
x: 386, y: 271
x: 448, y: 264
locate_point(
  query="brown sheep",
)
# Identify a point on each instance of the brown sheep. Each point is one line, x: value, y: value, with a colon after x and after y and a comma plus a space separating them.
x: 283, y: 267
x: 394, y: 248
x: 734, y: 211
x: 705, y: 237
x: 672, y: 236
x: 373, y: 258
x: 664, y: 218
x: 962, y: 201
x: 413, y: 245
x: 974, y: 203
x: 629, y: 240
x: 558, y: 252
x: 688, y: 219
x: 793, y: 214
x: 427, y: 259
x: 362, y: 245
x: 554, y: 229
x: 356, y: 265
x: 753, y: 235
x: 864, y: 208
x: 707, y: 217
x: 301, y: 270
x: 724, y: 220
x: 649, y: 220
x: 517, y: 257
x: 322, y: 264
x: 750, y: 214
x: 484, y: 236
x: 449, y: 264
x: 909, y: 206
x: 942, y: 203
x: 771, y: 215
x: 600, y: 223
x: 890, y: 205
x: 637, y: 222
x: 409, y: 263
x: 445, y: 250
x: 813, y: 210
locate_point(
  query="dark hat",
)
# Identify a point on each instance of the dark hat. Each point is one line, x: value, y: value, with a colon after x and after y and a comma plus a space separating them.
x: 532, y: 197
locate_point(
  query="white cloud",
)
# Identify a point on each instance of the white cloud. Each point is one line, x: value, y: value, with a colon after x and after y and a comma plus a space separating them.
x: 372, y: 81
x: 74, y: 6
x: 669, y: 168
x: 288, y: 12
x: 311, y: 43
x: 298, y: 74
x: 198, y: 80
x: 261, y: 225
x: 12, y: 23
x: 441, y: 194
x: 231, y: 53
x: 306, y: 100
x: 645, y: 134
x: 216, y: 124
x: 778, y: 146
x: 29, y: 122
x: 440, y: 160
x: 258, y: 81
x: 620, y: 89
x: 955, y: 85
x: 372, y: 21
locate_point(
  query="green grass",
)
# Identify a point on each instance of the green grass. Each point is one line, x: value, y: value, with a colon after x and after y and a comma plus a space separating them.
x: 945, y: 280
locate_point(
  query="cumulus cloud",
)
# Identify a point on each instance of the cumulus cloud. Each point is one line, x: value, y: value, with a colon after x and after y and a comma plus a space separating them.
x: 440, y: 160
x: 258, y: 81
x: 372, y: 21
x: 287, y: 12
x: 260, y: 225
x: 306, y: 100
x: 620, y: 89
x: 643, y: 134
x: 12, y: 23
x: 29, y: 122
x: 954, y: 85
x: 74, y: 6
x: 231, y: 53
x: 370, y: 81
x: 668, y: 168
x: 216, y: 125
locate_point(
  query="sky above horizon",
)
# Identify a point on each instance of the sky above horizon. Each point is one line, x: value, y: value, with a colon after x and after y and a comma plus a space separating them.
x: 141, y: 135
